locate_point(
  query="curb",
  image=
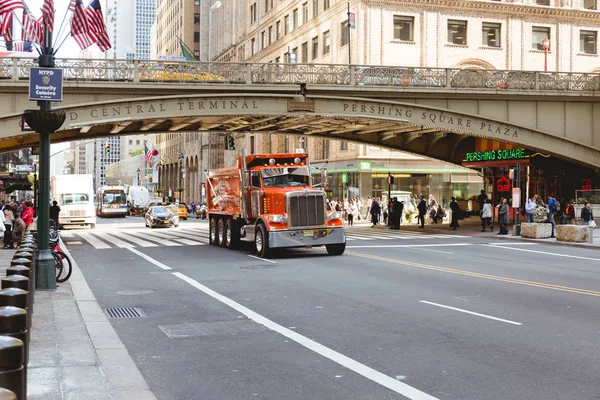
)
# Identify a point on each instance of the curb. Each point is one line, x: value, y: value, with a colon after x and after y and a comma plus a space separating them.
x: 122, y: 376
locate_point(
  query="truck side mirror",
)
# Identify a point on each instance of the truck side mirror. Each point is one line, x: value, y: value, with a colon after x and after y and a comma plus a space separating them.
x: 324, y: 178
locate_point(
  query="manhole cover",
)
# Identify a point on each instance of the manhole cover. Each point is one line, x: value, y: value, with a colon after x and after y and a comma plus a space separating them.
x: 265, y: 266
x: 125, y: 312
x: 135, y: 292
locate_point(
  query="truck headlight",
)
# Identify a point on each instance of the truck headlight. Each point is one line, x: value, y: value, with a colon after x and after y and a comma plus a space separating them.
x: 277, y: 218
x: 334, y: 215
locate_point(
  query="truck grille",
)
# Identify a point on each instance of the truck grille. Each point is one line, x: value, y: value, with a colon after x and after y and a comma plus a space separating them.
x: 77, y: 213
x: 307, y: 210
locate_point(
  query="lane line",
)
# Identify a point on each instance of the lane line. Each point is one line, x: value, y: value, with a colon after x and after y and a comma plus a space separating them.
x: 97, y: 243
x: 150, y: 259
x: 514, y: 244
x: 262, y: 259
x: 411, y: 245
x: 339, y: 358
x: 471, y: 312
x: 479, y: 275
x: 543, y: 252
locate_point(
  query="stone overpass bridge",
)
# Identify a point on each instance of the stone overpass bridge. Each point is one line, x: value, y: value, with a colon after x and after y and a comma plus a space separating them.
x: 433, y: 112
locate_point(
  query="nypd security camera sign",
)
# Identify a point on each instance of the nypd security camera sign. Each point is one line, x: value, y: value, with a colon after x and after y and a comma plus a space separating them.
x: 46, y: 84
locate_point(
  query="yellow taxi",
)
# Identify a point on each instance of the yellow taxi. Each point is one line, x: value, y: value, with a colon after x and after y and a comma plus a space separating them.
x: 180, y: 209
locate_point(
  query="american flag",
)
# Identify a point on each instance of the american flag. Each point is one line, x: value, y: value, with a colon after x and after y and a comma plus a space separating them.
x: 5, y: 20
x: 97, y: 27
x: 23, y: 46
x: 48, y: 14
x: 8, y: 6
x: 72, y: 6
x: 149, y: 155
x: 79, y: 27
x: 32, y: 30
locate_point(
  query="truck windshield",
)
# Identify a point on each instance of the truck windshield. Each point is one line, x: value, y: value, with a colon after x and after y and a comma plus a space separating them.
x: 75, y: 198
x: 286, y: 180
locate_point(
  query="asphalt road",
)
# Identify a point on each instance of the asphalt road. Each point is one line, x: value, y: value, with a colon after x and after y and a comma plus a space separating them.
x: 412, y: 316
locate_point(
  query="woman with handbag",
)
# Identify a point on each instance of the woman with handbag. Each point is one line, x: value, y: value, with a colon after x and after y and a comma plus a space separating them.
x: 503, y: 218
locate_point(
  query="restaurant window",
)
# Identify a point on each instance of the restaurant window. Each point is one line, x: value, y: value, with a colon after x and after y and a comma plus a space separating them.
x: 538, y: 34
x: 587, y: 42
x: 403, y: 28
x: 457, y: 32
x: 490, y: 34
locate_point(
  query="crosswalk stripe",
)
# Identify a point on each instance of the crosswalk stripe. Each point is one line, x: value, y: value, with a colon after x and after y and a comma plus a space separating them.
x: 139, y: 239
x: 116, y: 241
x: 66, y: 234
x: 97, y: 243
x: 158, y: 237
x: 185, y: 239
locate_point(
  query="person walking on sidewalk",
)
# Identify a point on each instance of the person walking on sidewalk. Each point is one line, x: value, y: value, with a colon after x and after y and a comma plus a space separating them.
x: 587, y: 216
x: 503, y: 218
x: 54, y: 212
x: 375, y: 211
x: 396, y: 215
x: 455, y: 210
x: 530, y: 208
x: 9, y: 218
x: 422, y: 208
x: 19, y: 229
x: 481, y: 199
x: 552, y: 209
x: 486, y: 216
x: 27, y: 213
x: 350, y: 213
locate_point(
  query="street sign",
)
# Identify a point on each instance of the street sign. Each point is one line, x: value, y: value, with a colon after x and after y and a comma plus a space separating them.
x: 24, y: 126
x: 351, y: 20
x: 46, y: 84
x: 23, y: 168
x: 516, y: 197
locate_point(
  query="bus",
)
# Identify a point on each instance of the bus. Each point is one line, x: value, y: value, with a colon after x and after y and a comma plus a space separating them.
x: 111, y: 201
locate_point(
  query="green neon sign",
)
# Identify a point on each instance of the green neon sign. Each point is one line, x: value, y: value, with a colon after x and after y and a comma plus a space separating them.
x: 496, y: 155
x: 344, y: 178
x: 365, y: 165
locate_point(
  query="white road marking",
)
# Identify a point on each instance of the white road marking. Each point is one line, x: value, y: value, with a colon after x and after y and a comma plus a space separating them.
x: 345, y: 361
x: 116, y: 241
x: 438, y: 251
x: 263, y: 259
x: 137, y: 238
x: 98, y: 244
x: 513, y: 244
x: 471, y: 312
x: 74, y: 242
x: 411, y: 245
x: 164, y: 240
x: 150, y: 259
x: 544, y: 252
x: 64, y: 234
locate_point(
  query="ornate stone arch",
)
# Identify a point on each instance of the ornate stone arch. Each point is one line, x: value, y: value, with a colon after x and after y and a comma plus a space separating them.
x: 474, y: 63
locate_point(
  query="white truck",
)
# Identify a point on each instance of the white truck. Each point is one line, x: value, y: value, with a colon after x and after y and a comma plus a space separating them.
x: 138, y: 196
x: 75, y: 196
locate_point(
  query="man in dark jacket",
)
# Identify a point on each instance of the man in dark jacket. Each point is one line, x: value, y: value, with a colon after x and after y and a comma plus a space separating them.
x: 397, y: 207
x: 54, y: 212
x: 422, y: 207
x: 375, y: 211
x: 455, y: 210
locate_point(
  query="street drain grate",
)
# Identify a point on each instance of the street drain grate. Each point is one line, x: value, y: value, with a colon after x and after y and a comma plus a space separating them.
x: 125, y: 312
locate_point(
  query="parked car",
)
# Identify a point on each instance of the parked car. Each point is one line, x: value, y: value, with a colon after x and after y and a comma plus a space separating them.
x: 161, y: 216
x: 181, y: 210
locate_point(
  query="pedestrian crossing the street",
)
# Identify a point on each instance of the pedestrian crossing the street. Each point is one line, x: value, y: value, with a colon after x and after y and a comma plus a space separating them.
x: 145, y: 237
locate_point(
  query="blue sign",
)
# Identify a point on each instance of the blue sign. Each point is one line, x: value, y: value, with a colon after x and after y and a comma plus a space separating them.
x: 46, y: 84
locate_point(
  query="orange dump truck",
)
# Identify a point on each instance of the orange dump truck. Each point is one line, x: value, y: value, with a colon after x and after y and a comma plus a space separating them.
x: 268, y: 200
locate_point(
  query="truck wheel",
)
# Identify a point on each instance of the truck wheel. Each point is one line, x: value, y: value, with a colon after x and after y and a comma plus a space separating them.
x: 212, y: 235
x: 231, y: 235
x: 261, y: 241
x: 221, y: 233
x: 336, y: 249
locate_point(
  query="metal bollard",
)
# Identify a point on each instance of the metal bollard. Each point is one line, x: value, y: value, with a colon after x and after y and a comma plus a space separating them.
x: 23, y: 254
x: 13, y: 322
x: 6, y: 394
x: 14, y: 297
x: 12, y: 371
x: 18, y: 270
x: 16, y: 281
x: 28, y: 263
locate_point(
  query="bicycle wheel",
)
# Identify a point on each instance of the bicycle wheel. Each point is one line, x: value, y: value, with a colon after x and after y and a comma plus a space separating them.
x: 66, y: 267
x: 58, y: 264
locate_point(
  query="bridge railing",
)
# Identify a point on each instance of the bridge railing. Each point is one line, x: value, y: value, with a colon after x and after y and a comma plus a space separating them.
x: 143, y: 72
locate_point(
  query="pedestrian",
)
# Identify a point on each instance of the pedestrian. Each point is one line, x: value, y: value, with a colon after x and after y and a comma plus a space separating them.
x: 530, y: 208
x: 19, y: 229
x: 481, y: 199
x: 455, y: 210
x: 54, y: 213
x: 503, y: 218
x: 369, y: 203
x: 27, y: 213
x: 359, y: 207
x: 587, y: 216
x: 375, y: 211
x: 422, y: 207
x: 2, y: 226
x: 397, y: 208
x: 569, y: 214
x: 350, y: 213
x: 552, y: 210
x: 9, y: 218
x: 387, y: 220
x: 486, y: 216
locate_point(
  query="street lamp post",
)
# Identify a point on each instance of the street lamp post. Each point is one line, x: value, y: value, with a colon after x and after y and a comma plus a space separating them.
x: 546, y: 46
x: 180, y: 158
x: 216, y: 5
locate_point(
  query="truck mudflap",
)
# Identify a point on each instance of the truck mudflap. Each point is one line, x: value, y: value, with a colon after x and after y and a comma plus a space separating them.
x: 306, y: 237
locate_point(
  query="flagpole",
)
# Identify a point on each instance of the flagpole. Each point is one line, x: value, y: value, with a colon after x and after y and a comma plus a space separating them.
x: 60, y: 29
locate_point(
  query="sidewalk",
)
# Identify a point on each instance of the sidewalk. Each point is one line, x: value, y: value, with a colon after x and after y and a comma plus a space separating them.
x: 471, y: 226
x: 74, y: 351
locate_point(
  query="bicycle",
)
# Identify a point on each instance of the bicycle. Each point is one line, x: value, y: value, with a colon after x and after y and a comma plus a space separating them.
x: 63, y: 270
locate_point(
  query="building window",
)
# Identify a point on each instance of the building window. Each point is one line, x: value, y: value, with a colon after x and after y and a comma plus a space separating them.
x: 587, y: 42
x: 315, y: 5
x: 270, y: 35
x: 304, y: 52
x: 253, y: 13
x: 130, y: 142
x: 196, y: 37
x: 295, y: 17
x: 197, y: 19
x: 294, y: 56
x: 305, y: 12
x: 315, y: 47
x: 542, y: 2
x: 286, y: 25
x: 457, y: 32
x: 277, y: 60
x: 588, y: 4
x: 326, y: 4
x: 538, y: 34
x: 252, y: 144
x: 326, y: 44
x: 263, y: 41
x: 286, y: 57
x: 403, y: 28
x: 490, y: 34
x: 344, y: 33
x: 278, y: 30
x: 252, y: 46
x: 343, y: 145
x: 137, y: 142
x: 325, y: 149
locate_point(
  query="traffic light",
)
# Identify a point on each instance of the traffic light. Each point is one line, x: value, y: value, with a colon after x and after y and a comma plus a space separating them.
x: 390, y: 179
x: 107, y: 149
x: 226, y: 141
x: 231, y: 144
